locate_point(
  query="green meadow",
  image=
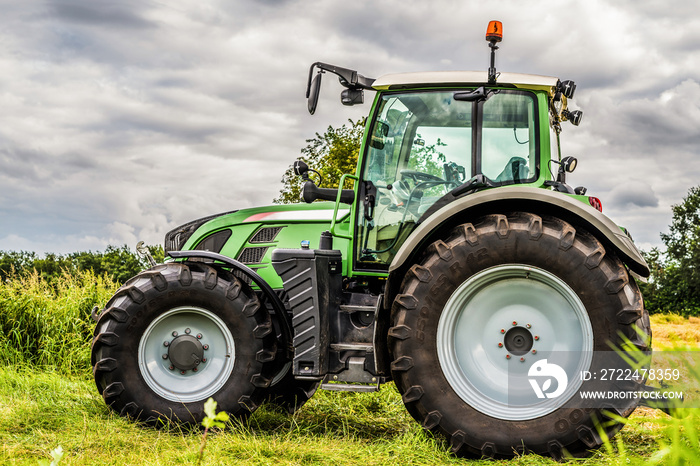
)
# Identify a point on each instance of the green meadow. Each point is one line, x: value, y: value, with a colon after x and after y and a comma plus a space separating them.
x: 48, y: 400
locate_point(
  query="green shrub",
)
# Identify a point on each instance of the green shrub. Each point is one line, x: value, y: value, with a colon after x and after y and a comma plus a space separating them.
x: 47, y: 323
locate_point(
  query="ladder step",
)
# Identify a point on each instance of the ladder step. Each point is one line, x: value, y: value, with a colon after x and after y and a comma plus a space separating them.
x: 366, y: 347
x: 349, y: 387
x: 351, y: 308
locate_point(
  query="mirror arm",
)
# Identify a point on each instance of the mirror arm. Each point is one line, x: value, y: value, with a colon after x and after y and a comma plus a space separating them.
x: 349, y: 78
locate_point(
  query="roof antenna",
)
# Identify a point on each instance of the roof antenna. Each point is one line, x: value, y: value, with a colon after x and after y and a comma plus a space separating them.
x: 494, y: 34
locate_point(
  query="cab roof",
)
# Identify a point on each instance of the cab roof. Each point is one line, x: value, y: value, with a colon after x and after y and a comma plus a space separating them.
x: 462, y: 78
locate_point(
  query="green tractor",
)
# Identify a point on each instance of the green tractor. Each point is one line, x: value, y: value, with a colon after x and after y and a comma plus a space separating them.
x: 461, y: 266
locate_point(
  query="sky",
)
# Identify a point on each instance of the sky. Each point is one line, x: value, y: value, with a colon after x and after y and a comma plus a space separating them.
x: 121, y: 120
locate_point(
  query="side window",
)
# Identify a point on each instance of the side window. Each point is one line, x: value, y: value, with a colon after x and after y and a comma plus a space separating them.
x: 385, y: 143
x: 420, y: 148
x: 508, y: 142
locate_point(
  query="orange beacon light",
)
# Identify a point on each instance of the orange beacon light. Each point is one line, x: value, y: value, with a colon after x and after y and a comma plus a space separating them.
x: 494, y: 33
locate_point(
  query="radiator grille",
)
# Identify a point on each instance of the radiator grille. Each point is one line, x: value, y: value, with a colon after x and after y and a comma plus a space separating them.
x: 252, y: 255
x: 265, y: 235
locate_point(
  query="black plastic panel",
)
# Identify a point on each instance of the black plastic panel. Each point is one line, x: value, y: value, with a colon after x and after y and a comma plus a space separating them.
x: 313, y: 281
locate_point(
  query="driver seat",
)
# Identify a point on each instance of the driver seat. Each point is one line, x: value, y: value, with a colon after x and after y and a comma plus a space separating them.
x: 515, y: 171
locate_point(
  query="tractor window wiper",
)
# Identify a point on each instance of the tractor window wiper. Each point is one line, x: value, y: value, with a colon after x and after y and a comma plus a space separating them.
x: 476, y: 182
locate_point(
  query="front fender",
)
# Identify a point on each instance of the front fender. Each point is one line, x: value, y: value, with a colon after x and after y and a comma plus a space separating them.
x: 526, y: 199
x: 265, y: 288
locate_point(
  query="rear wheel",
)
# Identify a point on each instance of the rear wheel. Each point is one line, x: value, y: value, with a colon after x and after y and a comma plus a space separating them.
x: 490, y: 306
x: 177, y: 334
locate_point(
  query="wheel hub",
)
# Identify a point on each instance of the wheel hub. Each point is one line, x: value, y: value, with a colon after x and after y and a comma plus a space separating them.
x: 518, y: 341
x: 185, y: 352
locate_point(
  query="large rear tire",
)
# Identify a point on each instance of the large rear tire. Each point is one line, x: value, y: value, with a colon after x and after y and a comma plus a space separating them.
x: 486, y: 304
x: 178, y: 334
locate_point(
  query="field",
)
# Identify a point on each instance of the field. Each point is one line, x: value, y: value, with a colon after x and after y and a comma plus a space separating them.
x: 48, y: 399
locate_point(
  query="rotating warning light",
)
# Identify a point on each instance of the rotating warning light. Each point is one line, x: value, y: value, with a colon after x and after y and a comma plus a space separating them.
x: 494, y: 33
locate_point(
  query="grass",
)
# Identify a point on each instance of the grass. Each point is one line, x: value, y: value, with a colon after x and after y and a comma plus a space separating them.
x: 48, y: 399
x: 672, y: 330
x: 48, y: 325
x: 42, y: 410
x: 45, y: 409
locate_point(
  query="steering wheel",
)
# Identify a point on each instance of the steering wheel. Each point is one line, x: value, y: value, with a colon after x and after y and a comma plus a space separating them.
x: 418, y: 176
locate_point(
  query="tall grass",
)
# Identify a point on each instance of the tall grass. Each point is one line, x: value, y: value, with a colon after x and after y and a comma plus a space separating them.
x: 47, y: 324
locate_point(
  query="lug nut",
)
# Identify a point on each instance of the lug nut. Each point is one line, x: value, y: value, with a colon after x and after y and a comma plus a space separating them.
x: 537, y: 337
x: 204, y: 359
x: 522, y: 359
x: 534, y: 351
x: 206, y: 347
x: 503, y: 330
x: 528, y: 326
x: 174, y: 333
x: 514, y: 323
x: 199, y: 336
x: 182, y: 372
x: 194, y: 369
x: 500, y: 345
x: 507, y: 356
x: 165, y: 356
x: 188, y: 331
x: 166, y: 343
x: 172, y: 368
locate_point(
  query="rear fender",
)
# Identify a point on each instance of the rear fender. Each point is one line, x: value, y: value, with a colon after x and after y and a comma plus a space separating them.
x: 509, y: 199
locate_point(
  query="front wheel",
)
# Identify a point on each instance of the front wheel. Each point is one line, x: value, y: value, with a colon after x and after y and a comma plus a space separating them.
x: 493, y: 328
x: 178, y: 334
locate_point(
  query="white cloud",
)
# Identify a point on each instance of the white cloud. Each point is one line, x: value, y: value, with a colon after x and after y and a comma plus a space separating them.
x: 122, y: 120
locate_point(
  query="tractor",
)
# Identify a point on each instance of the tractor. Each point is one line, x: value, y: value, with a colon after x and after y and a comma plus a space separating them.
x: 457, y: 264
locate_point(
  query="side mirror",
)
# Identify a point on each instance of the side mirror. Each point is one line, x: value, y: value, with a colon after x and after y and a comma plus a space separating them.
x: 313, y: 93
x: 352, y: 96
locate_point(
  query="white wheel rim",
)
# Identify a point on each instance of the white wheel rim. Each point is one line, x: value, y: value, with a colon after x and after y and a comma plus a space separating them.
x: 472, y: 326
x: 192, y: 385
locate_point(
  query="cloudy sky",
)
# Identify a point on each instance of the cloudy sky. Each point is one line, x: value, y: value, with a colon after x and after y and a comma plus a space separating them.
x: 122, y: 119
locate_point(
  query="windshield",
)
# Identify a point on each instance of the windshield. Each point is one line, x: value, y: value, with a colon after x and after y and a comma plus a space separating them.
x: 424, y: 144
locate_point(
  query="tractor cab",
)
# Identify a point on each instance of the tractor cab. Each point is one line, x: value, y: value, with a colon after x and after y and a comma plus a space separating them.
x: 434, y: 137
x: 429, y: 142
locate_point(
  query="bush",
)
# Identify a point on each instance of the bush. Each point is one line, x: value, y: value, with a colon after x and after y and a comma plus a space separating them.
x: 46, y: 323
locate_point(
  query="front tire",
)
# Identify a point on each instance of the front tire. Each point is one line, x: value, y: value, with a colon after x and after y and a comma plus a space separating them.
x: 178, y: 334
x: 491, y: 300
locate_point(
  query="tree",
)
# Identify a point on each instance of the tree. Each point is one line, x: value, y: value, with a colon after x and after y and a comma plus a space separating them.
x: 675, y: 278
x: 119, y: 264
x: 332, y: 154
